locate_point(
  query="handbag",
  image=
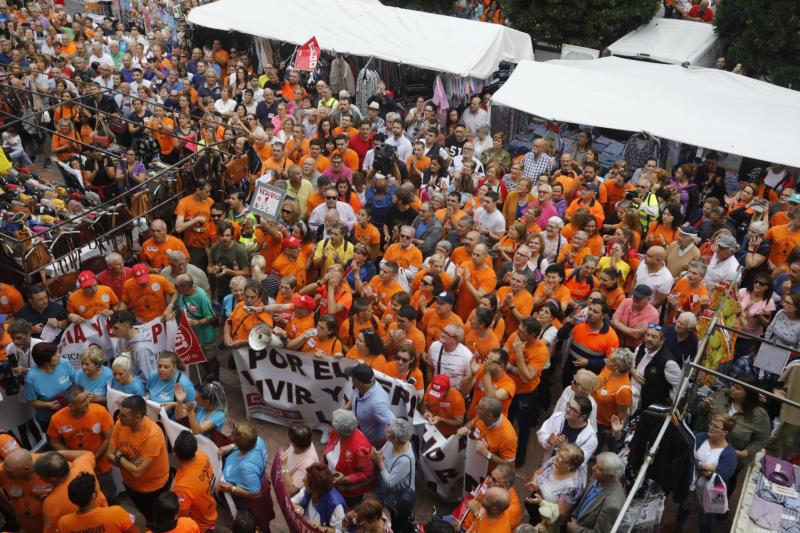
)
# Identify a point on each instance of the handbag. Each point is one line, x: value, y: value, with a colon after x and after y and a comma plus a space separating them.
x: 141, y: 203
x: 402, y: 499
x: 236, y: 170
x: 715, y: 495
x: 117, y: 125
x: 777, y: 470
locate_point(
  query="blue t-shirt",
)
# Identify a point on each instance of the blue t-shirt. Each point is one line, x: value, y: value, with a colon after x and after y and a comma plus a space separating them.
x: 217, y: 417
x: 40, y: 385
x: 246, y: 470
x: 163, y: 391
x: 96, y: 386
x: 134, y: 387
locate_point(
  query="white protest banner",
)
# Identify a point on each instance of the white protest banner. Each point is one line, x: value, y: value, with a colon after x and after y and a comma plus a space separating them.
x: 475, y: 468
x: 80, y: 336
x: 153, y: 338
x: 441, y: 461
x: 114, y: 401
x: 283, y: 386
x: 18, y: 417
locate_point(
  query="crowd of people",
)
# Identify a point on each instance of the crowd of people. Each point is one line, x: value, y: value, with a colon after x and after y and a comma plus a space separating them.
x: 517, y: 293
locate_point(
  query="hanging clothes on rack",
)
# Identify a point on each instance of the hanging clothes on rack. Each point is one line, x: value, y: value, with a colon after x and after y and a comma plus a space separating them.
x: 440, y: 99
x: 639, y: 148
x: 367, y: 84
x: 673, y: 466
x: 341, y: 76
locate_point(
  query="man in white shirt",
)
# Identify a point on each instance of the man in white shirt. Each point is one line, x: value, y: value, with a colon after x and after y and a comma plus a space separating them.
x: 657, y: 374
x: 468, y: 154
x: 21, y: 345
x: 98, y: 56
x: 474, y: 116
x: 138, y: 81
x: 723, y: 265
x: 346, y: 214
x: 447, y: 355
x: 654, y: 273
x: 489, y: 221
x: 400, y: 141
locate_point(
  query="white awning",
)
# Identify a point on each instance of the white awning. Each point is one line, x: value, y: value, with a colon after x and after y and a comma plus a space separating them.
x: 703, y: 107
x: 370, y: 29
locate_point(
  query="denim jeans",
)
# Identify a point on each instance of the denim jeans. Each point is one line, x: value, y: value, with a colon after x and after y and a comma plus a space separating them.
x: 523, y: 411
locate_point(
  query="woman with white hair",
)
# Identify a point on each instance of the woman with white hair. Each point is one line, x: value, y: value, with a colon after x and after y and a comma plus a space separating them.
x: 444, y: 249
x: 123, y: 378
x: 348, y: 455
x: 553, y: 240
x: 614, y: 395
x: 395, y: 468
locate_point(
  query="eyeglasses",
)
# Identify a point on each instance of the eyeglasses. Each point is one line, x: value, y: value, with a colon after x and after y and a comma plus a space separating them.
x: 448, y: 334
x: 403, y: 360
x: 286, y: 211
x: 427, y: 282
x: 573, y: 410
x: 331, y: 197
x: 655, y: 327
x: 409, y: 237
x: 760, y: 282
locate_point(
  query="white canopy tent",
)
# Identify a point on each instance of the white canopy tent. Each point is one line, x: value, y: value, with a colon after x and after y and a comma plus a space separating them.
x: 704, y: 107
x: 369, y: 29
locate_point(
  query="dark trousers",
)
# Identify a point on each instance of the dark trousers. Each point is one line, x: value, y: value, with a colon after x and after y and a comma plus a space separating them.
x: 198, y: 257
x: 523, y: 411
x: 144, y: 500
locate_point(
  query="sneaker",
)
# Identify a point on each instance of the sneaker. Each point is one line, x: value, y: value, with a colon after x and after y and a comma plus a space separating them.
x: 325, y: 437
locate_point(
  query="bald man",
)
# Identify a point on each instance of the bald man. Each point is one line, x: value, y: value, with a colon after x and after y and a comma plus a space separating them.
x: 155, y: 250
x: 493, y: 515
x: 654, y: 273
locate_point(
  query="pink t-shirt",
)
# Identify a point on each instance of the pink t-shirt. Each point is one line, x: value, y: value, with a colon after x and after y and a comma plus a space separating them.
x: 297, y: 464
x: 752, y: 310
x: 633, y: 319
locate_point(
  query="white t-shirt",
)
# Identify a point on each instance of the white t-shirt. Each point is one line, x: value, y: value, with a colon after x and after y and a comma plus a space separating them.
x: 454, y: 365
x: 225, y: 107
x: 660, y: 282
x: 493, y: 222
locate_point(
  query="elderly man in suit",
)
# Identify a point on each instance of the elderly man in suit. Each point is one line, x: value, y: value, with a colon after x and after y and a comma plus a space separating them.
x: 602, y: 499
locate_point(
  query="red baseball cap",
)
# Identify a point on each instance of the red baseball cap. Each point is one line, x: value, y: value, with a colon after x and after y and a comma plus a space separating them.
x: 141, y: 273
x: 291, y: 242
x: 440, y: 384
x: 86, y: 279
x: 306, y: 302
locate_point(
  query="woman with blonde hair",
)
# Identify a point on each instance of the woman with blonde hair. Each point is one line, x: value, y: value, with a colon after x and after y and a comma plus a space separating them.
x: 614, y: 396
x: 93, y: 376
x: 123, y: 379
x: 518, y: 201
x: 584, y: 384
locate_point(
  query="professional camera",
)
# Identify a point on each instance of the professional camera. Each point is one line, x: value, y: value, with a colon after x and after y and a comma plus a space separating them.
x: 8, y: 380
x: 385, y: 156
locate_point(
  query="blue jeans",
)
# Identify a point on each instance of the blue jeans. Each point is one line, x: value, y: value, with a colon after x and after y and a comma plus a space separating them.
x: 523, y: 411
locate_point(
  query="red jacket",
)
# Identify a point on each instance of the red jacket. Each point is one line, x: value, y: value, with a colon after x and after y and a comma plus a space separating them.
x: 354, y: 462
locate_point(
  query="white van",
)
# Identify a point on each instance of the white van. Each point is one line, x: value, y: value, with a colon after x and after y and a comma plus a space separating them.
x: 672, y: 41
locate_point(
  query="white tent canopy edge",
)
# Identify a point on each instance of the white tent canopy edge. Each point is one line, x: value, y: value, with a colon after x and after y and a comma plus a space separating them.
x: 703, y: 107
x: 370, y: 29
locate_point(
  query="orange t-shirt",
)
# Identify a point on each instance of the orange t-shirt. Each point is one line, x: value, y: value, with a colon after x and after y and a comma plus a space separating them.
x: 269, y: 247
x: 483, y: 279
x: 378, y: 362
x: 391, y: 371
x: 661, y: 235
x: 112, y: 519
x: 415, y: 336
x: 275, y: 166
x: 342, y: 295
x: 782, y: 241
x: 568, y: 183
x: 440, y: 214
x: 615, y: 297
x: 166, y: 142
x: 84, y: 433
x: 284, y: 267
x: 299, y: 325
x: 614, y: 193
x: 87, y: 307
x: 523, y: 302
x: 613, y: 391
x: 579, y: 289
x: 241, y: 322
x: 450, y: 406
x: 481, y: 347
x: 577, y: 255
x: 147, y: 442
x: 404, y: 257
x: 194, y: 486
x: 384, y: 292
x: 478, y: 392
x: 329, y: 347
x: 536, y: 357
x: 264, y: 153
x: 350, y: 131
x: 323, y: 164
x: 188, y: 207
x: 185, y: 525
x: 298, y: 151
x: 434, y: 324
x: 148, y: 301
x: 350, y: 337
x: 493, y: 524
x: 780, y: 218
x: 27, y: 499
x: 369, y: 235
x: 350, y: 159
x: 7, y: 444
x: 501, y: 440
x: 57, y: 504
x: 689, y: 299
x: 594, y: 207
x: 421, y: 164
x: 60, y: 140
x: 10, y: 299
x: 155, y: 254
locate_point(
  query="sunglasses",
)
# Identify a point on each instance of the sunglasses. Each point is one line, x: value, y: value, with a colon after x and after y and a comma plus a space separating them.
x: 655, y: 327
x: 331, y: 197
x: 403, y: 360
x: 760, y: 282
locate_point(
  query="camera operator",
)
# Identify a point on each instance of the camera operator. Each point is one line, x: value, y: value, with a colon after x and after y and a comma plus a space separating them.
x: 22, y: 343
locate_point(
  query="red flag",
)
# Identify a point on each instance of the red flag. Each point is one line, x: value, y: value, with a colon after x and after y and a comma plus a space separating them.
x: 307, y: 56
x: 187, y: 345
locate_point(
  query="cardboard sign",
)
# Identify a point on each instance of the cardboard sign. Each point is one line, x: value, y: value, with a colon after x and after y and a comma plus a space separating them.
x: 267, y: 200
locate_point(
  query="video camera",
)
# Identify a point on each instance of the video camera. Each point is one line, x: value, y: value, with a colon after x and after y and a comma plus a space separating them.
x: 385, y: 156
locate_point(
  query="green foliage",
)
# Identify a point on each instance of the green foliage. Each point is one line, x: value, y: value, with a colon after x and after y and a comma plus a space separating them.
x: 591, y: 23
x: 763, y: 37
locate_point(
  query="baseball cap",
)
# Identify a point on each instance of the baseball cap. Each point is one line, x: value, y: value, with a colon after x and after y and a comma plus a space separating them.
x: 374, y: 105
x: 688, y: 230
x: 795, y: 198
x: 446, y: 298
x: 361, y: 372
x: 291, y: 242
x: 306, y: 302
x: 590, y: 186
x: 86, y: 279
x: 642, y: 291
x: 727, y: 241
x: 439, y: 385
x: 141, y: 273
